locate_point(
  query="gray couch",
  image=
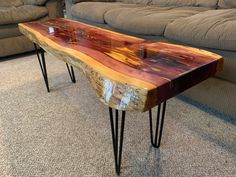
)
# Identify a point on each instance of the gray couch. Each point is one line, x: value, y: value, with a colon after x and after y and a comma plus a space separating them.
x: 13, y: 12
x: 207, y: 24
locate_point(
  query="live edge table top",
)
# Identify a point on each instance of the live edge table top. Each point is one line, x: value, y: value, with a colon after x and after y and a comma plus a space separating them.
x: 128, y: 73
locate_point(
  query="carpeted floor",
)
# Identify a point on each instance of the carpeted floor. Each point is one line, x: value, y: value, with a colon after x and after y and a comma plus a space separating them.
x: 67, y: 132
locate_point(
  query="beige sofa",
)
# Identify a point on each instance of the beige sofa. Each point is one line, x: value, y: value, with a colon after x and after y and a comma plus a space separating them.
x: 13, y: 12
x: 207, y: 24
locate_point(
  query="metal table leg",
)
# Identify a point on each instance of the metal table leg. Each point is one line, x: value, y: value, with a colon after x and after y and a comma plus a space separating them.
x: 71, y: 73
x: 42, y: 64
x: 117, y: 139
x: 117, y: 144
x: 158, y: 134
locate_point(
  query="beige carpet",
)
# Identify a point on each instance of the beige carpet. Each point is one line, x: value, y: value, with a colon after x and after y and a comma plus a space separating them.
x: 67, y: 132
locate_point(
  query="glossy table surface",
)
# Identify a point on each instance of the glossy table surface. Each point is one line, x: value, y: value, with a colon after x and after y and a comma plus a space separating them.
x: 128, y: 73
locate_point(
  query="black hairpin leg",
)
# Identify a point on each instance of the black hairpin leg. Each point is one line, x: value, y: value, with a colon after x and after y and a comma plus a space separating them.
x: 158, y: 134
x: 117, y: 144
x: 71, y: 73
x: 42, y: 64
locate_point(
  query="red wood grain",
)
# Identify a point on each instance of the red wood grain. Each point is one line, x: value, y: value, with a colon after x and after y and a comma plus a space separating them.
x: 171, y: 68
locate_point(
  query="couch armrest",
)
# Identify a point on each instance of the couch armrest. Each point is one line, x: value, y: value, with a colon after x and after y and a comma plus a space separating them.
x: 55, y: 9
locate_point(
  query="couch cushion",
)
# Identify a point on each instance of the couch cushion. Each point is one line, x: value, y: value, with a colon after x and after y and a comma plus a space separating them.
x: 227, y: 4
x: 15, y: 45
x: 9, y: 31
x: 77, y: 1
x: 146, y: 2
x: 94, y: 11
x: 12, y: 30
x: 212, y: 29
x: 7, y: 3
x: 149, y: 20
x: 24, y: 13
x: 35, y: 2
x: 204, y: 3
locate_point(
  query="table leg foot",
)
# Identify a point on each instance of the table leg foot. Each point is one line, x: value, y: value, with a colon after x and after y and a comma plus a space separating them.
x: 116, y: 139
x: 156, y: 141
x: 42, y: 64
x: 71, y: 73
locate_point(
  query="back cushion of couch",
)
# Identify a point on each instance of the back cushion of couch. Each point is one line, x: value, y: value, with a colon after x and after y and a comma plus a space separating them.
x: 146, y: 2
x: 227, y: 4
x: 203, y: 3
x: 10, y: 3
x: 35, y: 2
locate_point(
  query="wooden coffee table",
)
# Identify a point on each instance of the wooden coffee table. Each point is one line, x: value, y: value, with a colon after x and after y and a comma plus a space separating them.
x: 127, y: 73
